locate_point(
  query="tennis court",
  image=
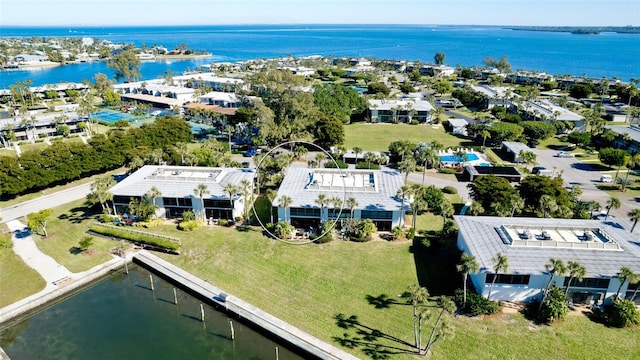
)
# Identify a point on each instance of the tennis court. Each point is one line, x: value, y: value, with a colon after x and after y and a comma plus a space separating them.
x: 111, y: 116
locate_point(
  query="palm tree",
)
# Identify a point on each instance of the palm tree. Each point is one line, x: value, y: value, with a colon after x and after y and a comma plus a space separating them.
x: 369, y: 157
x: 182, y: 150
x: 554, y: 267
x: 336, y: 203
x: 285, y: 201
x: 246, y: 193
x: 156, y: 156
x: 500, y: 264
x: 322, y: 201
x: 446, y: 209
x: 416, y: 191
x: 357, y: 150
x: 200, y: 191
x: 271, y: 195
x: 231, y: 190
x: 576, y: 271
x: 625, y: 274
x: 634, y: 215
x: 614, y: 203
x: 547, y: 205
x: 468, y: 265
x: 475, y: 209
x: 418, y: 297
x: 229, y: 130
x: 319, y: 158
x: 100, y: 191
x: 634, y: 161
x: 485, y: 134
x: 352, y: 204
x: 406, y: 166
x: 153, y: 194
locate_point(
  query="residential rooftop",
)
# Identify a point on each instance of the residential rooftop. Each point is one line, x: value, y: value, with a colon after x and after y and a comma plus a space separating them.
x: 372, y: 189
x: 180, y: 181
x: 601, y: 247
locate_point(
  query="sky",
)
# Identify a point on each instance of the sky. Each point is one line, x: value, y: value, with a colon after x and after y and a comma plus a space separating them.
x: 225, y: 12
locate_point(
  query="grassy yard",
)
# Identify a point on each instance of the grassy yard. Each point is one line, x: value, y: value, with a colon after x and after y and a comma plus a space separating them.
x: 309, y: 285
x: 66, y: 227
x: 17, y: 280
x: 377, y: 137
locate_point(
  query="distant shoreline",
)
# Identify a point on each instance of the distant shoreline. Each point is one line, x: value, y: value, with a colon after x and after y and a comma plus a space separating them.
x: 580, y: 30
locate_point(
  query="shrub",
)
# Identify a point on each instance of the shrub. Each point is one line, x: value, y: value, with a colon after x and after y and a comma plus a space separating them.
x: 223, y: 222
x: 189, y: 225
x: 449, y: 190
x: 414, y: 122
x: 622, y: 313
x: 411, y: 234
x: 86, y: 243
x: 331, y: 165
x: 104, y: 218
x: 448, y: 170
x: 476, y: 304
x: 135, y: 237
x: 326, y: 230
x: 360, y: 230
x: 365, y: 165
x: 282, y: 230
x: 188, y: 215
x: 554, y: 307
x: 5, y: 242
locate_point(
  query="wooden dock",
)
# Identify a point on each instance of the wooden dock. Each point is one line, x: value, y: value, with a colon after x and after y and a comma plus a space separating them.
x: 242, y: 309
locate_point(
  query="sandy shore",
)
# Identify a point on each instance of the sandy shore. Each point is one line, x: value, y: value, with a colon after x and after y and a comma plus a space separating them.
x: 182, y: 57
x: 40, y: 65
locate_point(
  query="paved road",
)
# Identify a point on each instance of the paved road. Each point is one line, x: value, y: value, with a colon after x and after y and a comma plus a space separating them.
x: 45, y: 201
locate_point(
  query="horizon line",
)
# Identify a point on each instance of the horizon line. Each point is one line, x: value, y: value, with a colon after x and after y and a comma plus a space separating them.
x: 307, y: 24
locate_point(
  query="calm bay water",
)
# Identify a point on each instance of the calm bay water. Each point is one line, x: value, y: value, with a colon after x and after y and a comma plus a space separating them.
x: 606, y: 54
x: 119, y: 318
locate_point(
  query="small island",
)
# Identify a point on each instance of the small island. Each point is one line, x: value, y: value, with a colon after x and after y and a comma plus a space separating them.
x: 581, y: 30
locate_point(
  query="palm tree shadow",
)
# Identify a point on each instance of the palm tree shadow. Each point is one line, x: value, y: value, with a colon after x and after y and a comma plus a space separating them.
x: 382, y: 301
x: 371, y: 341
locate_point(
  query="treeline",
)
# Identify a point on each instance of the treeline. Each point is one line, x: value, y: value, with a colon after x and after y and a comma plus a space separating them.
x: 63, y: 162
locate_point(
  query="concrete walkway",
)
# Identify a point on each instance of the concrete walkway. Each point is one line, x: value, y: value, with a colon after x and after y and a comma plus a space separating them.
x: 25, y: 247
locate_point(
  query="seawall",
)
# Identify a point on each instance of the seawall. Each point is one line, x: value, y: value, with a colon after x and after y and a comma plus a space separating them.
x: 243, y: 309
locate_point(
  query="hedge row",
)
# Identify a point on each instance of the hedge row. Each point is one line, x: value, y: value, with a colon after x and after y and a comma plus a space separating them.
x: 139, y: 238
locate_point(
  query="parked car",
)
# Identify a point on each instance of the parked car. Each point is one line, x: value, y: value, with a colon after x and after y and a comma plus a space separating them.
x: 606, y: 178
x: 250, y: 152
x: 536, y: 169
x: 564, y: 154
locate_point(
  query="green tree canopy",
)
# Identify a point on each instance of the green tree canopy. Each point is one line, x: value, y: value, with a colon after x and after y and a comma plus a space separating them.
x: 126, y: 65
x: 490, y: 189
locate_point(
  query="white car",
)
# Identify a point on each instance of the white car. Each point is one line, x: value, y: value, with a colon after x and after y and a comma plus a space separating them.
x: 564, y: 154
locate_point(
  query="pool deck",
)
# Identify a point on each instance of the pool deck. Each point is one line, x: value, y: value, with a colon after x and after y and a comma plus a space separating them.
x: 241, y: 308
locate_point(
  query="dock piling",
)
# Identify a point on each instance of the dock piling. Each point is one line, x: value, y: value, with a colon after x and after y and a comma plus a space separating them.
x: 175, y: 296
x: 151, y: 282
x: 202, y: 312
x: 277, y: 354
x: 233, y: 333
x: 126, y: 267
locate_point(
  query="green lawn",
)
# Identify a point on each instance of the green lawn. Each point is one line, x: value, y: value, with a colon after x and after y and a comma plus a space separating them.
x: 309, y: 285
x: 17, y: 280
x: 66, y: 227
x: 377, y: 137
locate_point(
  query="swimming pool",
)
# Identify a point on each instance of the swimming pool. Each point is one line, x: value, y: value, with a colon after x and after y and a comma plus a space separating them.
x: 457, y: 159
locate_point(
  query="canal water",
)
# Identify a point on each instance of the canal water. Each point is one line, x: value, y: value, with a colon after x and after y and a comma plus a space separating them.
x: 122, y: 318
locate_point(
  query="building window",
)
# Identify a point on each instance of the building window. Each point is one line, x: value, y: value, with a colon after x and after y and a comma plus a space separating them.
x: 508, y: 279
x: 184, y: 202
x: 121, y: 199
x: 376, y: 214
x: 169, y: 201
x: 596, y: 283
x: 210, y: 203
x: 333, y: 213
x: 308, y: 212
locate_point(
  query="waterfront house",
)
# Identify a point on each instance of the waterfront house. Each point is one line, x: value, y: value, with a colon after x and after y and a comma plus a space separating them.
x: 375, y: 192
x: 529, y: 243
x: 177, y: 185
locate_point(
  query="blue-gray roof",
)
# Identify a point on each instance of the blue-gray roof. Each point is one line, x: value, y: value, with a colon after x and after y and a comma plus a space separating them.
x: 484, y: 242
x: 180, y: 181
x: 373, y: 189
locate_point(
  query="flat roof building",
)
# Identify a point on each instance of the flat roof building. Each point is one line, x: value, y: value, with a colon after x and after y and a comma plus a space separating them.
x: 177, y: 185
x: 375, y: 192
x: 529, y: 243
